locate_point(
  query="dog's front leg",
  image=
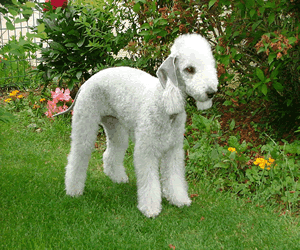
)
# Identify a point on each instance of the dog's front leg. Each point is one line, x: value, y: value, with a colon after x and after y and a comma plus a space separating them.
x: 174, y: 185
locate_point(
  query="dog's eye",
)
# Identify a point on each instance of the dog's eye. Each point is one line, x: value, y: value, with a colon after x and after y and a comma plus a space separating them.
x: 191, y: 70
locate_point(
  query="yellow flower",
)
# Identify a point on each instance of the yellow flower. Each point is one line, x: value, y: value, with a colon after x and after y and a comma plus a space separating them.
x: 271, y: 160
x: 42, y: 100
x: 14, y: 93
x: 8, y: 100
x: 262, y: 165
x: 20, y: 96
x: 261, y: 162
x: 231, y: 149
x: 5, y: 59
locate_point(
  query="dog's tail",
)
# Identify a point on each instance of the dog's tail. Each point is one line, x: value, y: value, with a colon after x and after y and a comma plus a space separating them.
x: 71, y: 107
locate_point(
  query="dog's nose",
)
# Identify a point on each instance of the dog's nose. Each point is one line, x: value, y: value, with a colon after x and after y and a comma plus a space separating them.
x: 210, y: 93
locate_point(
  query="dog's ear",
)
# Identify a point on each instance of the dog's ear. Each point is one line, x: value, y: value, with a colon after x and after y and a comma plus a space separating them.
x: 167, y: 70
x: 172, y: 97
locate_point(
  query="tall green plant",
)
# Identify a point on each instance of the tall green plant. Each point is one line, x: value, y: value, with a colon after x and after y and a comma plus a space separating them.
x: 81, y: 42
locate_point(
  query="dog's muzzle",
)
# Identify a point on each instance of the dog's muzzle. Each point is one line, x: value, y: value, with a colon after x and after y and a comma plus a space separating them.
x: 210, y: 93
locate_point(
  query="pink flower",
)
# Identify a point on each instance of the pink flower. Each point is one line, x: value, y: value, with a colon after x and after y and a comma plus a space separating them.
x: 58, y: 96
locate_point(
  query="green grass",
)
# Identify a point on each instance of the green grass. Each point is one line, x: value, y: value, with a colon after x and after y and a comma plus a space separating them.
x: 35, y: 213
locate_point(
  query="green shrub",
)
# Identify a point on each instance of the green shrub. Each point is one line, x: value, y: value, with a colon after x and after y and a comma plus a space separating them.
x: 256, y: 43
x: 80, y: 42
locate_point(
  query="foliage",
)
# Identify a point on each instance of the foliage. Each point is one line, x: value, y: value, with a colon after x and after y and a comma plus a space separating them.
x: 259, y: 40
x: 10, y: 4
x: 268, y: 172
x: 34, y: 105
x: 80, y: 41
x: 256, y: 42
x: 160, y: 22
x: 14, y: 65
x: 16, y: 52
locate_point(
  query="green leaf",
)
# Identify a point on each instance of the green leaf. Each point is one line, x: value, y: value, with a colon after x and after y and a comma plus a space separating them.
x: 257, y: 85
x: 211, y: 3
x: 221, y: 165
x: 72, y: 58
x: 252, y: 12
x: 79, y: 74
x: 255, y: 25
x: 57, y: 46
x: 271, y: 18
x: 30, y: 4
x: 236, y: 33
x: 144, y: 33
x: 41, y: 28
x: 13, y: 12
x: 271, y: 58
x: 227, y: 103
x: 145, y: 26
x: 81, y: 42
x: 10, y: 26
x: 278, y: 86
x: 20, y: 20
x: 232, y: 125
x: 27, y: 12
x: 136, y: 7
x: 260, y: 74
x: 292, y: 40
x: 264, y: 89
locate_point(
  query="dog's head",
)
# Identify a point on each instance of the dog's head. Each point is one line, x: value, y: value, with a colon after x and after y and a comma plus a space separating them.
x: 191, y: 68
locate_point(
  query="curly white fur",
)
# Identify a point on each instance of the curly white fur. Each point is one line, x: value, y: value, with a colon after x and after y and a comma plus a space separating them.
x: 129, y: 102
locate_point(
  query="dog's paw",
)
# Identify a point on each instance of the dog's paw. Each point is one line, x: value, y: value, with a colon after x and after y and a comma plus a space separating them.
x: 74, y: 192
x: 180, y: 201
x: 150, y: 211
x: 120, y: 179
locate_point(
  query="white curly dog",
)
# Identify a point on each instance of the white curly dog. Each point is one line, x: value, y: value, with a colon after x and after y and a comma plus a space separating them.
x: 130, y: 102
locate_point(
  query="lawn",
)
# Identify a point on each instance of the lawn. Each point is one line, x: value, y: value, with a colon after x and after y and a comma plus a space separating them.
x: 35, y: 213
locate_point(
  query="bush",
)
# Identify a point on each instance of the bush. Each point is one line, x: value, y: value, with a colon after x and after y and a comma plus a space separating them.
x: 259, y: 41
x: 254, y: 41
x: 80, y: 41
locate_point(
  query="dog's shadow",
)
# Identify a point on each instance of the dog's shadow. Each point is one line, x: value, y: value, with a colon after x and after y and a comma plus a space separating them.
x: 111, y: 195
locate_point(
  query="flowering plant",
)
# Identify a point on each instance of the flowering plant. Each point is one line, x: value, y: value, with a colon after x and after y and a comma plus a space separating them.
x: 15, y: 100
x: 58, y: 104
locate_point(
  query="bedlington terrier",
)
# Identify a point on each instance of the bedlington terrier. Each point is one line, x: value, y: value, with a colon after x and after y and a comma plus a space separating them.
x: 130, y: 102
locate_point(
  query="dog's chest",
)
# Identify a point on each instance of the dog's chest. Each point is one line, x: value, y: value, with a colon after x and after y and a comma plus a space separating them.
x: 171, y: 131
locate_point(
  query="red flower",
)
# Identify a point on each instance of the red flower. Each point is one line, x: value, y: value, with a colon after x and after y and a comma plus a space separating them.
x: 56, y: 3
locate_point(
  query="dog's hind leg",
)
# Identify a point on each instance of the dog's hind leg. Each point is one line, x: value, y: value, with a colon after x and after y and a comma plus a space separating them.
x: 117, y: 143
x: 85, y: 125
x: 148, y: 184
